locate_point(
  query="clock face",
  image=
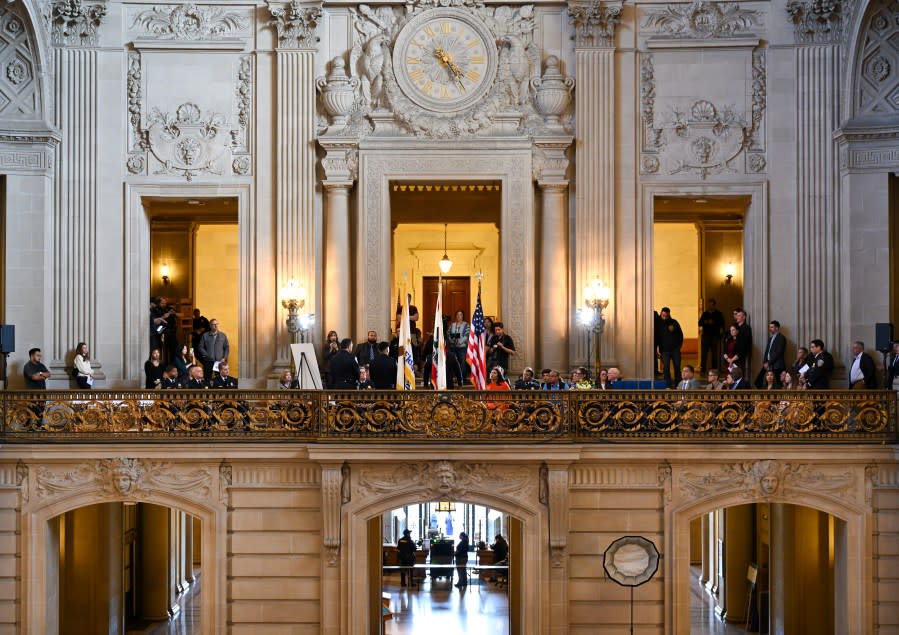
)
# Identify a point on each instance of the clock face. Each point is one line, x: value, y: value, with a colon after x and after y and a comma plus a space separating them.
x: 445, y: 60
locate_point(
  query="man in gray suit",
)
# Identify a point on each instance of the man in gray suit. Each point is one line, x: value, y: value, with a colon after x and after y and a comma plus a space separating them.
x: 688, y: 381
x: 213, y: 348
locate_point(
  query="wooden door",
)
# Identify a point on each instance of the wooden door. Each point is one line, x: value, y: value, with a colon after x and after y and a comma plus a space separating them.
x: 456, y: 297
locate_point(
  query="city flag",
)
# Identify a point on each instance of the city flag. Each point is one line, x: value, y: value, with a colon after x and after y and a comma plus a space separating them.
x: 476, y: 356
x: 405, y: 368
x: 438, y: 357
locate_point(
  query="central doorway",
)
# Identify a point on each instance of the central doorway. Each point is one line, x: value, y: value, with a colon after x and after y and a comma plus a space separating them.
x: 444, y: 591
x: 456, y: 297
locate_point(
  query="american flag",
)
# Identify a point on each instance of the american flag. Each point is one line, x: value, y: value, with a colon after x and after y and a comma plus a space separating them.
x: 476, y: 356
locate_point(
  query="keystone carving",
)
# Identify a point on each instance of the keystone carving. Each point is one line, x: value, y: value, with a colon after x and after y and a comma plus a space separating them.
x: 187, y: 143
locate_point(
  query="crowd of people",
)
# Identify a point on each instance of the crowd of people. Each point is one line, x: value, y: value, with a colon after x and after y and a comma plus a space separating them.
x: 725, y: 355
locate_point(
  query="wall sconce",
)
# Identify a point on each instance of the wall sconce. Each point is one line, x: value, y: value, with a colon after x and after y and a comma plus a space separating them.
x: 293, y: 298
x: 165, y: 274
x: 729, y: 271
x: 445, y: 263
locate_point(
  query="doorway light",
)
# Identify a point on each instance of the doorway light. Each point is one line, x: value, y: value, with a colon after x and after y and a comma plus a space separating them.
x: 445, y: 263
x: 165, y: 274
x: 446, y: 506
x: 729, y: 271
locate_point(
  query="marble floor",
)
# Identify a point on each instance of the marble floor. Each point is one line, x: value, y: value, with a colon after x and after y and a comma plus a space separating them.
x: 186, y: 622
x: 704, y: 621
x: 439, y: 607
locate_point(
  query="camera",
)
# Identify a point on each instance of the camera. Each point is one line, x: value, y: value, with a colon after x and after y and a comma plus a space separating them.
x: 160, y: 329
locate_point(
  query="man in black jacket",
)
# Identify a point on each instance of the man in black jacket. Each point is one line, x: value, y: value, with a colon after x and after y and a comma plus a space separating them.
x: 670, y: 338
x: 712, y: 323
x: 344, y: 367
x: 820, y: 366
x: 773, y: 357
x: 383, y: 369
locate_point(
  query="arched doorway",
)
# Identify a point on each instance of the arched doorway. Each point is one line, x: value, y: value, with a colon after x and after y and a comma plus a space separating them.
x: 443, y: 590
x: 766, y: 568
x: 124, y: 567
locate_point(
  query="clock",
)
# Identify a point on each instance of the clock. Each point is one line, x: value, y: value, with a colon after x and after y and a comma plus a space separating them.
x: 445, y: 59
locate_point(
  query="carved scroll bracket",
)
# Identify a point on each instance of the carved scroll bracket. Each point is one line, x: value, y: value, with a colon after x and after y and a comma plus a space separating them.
x: 558, y: 504
x: 332, y: 479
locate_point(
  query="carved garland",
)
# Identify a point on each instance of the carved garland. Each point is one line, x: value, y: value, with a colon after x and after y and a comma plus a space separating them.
x: 702, y: 20
x: 188, y: 22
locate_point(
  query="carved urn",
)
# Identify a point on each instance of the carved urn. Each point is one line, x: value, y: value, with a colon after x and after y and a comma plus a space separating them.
x: 338, y: 92
x: 552, y: 92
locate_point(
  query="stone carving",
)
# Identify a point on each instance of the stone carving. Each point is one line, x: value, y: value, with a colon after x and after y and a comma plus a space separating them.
x: 338, y: 92
x: 877, y: 82
x: 188, y: 22
x: 136, y: 164
x: 507, y: 107
x: 594, y: 22
x: 756, y: 163
x: 240, y: 137
x: 759, y: 97
x: 16, y: 72
x: 519, y: 59
x: 648, y: 97
x: 187, y: 143
x: 552, y: 92
x: 768, y: 478
x: 550, y: 161
x: 447, y: 480
x: 332, y: 486
x: 135, y: 478
x: 702, y: 20
x: 649, y: 164
x: 135, y: 94
x: 241, y: 165
x: 19, y: 89
x: 816, y: 21
x: 295, y: 24
x: 346, y: 486
x: 74, y: 23
x: 226, y: 479
x: 341, y: 159
x: 22, y: 480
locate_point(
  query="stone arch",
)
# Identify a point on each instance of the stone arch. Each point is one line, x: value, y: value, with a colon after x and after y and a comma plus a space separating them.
x: 858, y: 556
x: 39, y: 508
x: 499, y: 491
x: 24, y: 67
x: 873, y: 81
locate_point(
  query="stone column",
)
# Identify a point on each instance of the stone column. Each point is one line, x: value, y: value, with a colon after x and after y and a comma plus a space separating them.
x: 188, y: 541
x: 817, y: 67
x: 295, y: 229
x: 339, y: 165
x: 594, y: 248
x: 550, y: 166
x: 90, y: 571
x: 75, y: 34
x: 157, y: 581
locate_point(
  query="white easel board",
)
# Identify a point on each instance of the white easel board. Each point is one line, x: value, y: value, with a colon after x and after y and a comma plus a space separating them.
x: 306, y: 363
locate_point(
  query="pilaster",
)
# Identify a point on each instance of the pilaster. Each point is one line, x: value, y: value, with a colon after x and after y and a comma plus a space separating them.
x: 818, y: 231
x: 550, y: 169
x: 594, y: 249
x: 557, y: 500
x: 295, y: 230
x: 74, y: 29
x: 333, y: 485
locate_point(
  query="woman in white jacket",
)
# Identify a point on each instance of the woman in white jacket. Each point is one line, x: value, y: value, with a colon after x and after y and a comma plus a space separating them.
x: 85, y: 377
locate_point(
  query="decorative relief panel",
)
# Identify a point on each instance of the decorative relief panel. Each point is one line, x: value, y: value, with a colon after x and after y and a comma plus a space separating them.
x: 877, y: 76
x: 701, y: 137
x: 73, y: 22
x: 189, y: 142
x: 702, y: 20
x: 19, y: 86
x: 450, y: 480
x: 134, y: 478
x: 770, y: 479
x: 189, y: 22
x: 381, y: 105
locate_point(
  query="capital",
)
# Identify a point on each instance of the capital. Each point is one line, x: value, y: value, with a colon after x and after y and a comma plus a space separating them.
x: 295, y: 23
x: 816, y: 21
x: 74, y: 23
x: 594, y: 22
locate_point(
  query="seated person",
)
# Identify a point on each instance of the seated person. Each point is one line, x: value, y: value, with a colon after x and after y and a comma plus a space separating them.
x: 527, y: 381
x: 170, y: 378
x: 224, y: 379
x: 497, y: 382
x: 580, y: 379
x: 195, y: 379
x: 286, y: 381
x: 555, y: 382
x: 715, y: 382
x: 614, y: 376
x: 364, y: 378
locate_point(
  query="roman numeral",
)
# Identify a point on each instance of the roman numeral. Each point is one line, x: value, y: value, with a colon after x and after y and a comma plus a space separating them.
x: 477, y: 59
x: 417, y: 75
x: 413, y: 60
x: 427, y: 86
x: 473, y: 44
x: 473, y: 75
x: 446, y: 28
x: 429, y: 31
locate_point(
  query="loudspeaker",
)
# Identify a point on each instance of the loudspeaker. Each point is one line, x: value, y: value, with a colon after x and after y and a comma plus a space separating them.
x: 884, y: 332
x: 7, y: 338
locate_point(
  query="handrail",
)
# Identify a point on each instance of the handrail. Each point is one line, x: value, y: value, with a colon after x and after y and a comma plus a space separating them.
x: 466, y: 416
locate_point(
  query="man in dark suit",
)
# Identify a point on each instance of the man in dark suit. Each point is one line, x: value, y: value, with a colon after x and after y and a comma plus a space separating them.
x: 383, y: 369
x: 344, y: 367
x: 892, y: 369
x: 861, y: 371
x: 820, y: 366
x: 170, y: 378
x: 773, y: 357
x: 195, y: 378
x: 670, y: 338
x: 367, y: 351
x: 224, y: 379
x: 744, y: 337
x: 736, y: 380
x: 712, y: 323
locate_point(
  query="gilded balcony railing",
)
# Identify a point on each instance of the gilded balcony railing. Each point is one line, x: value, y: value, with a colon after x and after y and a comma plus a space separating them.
x: 414, y: 416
